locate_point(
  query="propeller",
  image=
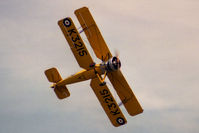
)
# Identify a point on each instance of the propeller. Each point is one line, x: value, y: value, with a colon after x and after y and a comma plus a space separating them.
x: 116, y: 60
x: 117, y: 56
x: 117, y: 53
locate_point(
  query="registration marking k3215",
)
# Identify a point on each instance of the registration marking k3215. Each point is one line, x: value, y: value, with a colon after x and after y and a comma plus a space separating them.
x: 75, y: 38
x: 108, y: 99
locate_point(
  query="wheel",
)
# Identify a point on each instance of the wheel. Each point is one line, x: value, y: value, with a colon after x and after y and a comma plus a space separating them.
x: 102, y: 84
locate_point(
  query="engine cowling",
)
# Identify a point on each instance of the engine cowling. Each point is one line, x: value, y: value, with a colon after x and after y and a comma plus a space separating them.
x: 113, y: 64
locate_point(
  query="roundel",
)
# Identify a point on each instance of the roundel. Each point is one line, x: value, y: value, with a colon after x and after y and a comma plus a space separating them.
x: 67, y: 22
x: 120, y: 120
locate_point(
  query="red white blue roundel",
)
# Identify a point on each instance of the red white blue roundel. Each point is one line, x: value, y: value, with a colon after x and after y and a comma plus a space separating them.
x: 120, y: 120
x: 67, y: 22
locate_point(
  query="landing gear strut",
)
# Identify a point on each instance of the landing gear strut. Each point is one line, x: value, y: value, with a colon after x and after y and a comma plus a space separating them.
x: 102, y: 80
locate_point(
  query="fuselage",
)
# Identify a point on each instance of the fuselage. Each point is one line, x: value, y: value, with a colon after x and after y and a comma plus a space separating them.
x: 97, y: 70
x: 83, y: 75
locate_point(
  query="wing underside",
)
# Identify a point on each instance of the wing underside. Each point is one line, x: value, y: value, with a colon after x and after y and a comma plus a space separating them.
x: 125, y: 93
x: 93, y: 34
x: 75, y: 42
x: 108, y: 103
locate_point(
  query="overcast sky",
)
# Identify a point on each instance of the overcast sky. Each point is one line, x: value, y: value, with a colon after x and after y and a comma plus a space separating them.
x: 158, y: 43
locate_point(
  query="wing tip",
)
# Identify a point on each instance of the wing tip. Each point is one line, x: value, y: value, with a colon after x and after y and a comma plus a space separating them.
x: 136, y: 113
x: 82, y: 9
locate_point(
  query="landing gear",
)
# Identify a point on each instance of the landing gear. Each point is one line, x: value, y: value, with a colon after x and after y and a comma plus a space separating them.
x: 92, y: 65
x: 102, y: 80
x: 102, y: 84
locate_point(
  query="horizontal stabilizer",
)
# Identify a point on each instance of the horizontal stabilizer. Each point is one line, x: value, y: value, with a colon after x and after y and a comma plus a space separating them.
x: 61, y: 92
x: 53, y: 75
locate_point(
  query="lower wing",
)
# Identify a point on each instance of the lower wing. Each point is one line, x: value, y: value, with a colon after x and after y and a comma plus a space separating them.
x: 108, y: 103
x: 75, y: 42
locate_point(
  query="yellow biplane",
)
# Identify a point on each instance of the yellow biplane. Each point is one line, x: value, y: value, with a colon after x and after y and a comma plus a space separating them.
x: 110, y: 67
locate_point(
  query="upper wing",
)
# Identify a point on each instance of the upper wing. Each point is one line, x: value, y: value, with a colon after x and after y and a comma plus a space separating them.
x: 108, y: 103
x: 75, y: 42
x: 125, y: 93
x: 93, y: 34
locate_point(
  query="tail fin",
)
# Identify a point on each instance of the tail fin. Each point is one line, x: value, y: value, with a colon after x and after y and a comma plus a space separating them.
x: 53, y: 76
